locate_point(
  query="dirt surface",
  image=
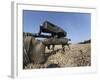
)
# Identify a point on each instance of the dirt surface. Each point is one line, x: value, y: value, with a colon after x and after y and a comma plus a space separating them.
x: 77, y: 55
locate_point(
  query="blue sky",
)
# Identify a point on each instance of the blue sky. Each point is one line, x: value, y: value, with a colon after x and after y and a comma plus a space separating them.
x: 77, y: 25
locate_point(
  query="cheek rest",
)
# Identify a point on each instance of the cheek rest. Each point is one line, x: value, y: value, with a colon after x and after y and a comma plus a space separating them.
x: 27, y: 43
x: 26, y: 46
x: 35, y: 49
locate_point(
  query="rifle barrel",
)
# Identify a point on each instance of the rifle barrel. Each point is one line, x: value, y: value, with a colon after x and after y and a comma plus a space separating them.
x: 37, y: 35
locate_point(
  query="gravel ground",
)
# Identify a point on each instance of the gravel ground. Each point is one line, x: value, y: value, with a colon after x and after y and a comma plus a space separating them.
x: 77, y: 55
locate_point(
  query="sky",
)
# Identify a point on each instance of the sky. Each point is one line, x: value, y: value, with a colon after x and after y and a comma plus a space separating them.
x: 77, y: 25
